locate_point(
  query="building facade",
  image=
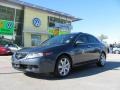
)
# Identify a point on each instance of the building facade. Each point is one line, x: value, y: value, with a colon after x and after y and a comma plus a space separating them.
x: 29, y: 25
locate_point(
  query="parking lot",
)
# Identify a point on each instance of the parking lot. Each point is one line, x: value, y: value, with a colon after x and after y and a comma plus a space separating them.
x: 82, y: 78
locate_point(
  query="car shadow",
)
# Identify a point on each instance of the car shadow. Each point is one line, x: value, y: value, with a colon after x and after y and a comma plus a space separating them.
x: 79, y: 72
x: 7, y: 55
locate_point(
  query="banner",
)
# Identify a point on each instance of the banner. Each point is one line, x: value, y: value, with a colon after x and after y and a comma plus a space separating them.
x: 6, y: 27
x: 60, y: 25
x: 55, y: 32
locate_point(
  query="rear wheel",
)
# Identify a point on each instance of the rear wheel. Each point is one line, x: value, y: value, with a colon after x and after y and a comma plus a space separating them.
x: 117, y: 52
x: 102, y: 60
x: 63, y: 66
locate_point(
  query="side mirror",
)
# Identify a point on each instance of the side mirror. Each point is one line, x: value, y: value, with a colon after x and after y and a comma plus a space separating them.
x: 79, y: 42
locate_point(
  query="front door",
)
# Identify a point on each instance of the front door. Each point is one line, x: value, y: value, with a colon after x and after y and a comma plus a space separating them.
x: 81, y: 50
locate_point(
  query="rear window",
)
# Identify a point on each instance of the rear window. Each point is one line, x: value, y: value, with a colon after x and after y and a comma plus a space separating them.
x: 93, y: 39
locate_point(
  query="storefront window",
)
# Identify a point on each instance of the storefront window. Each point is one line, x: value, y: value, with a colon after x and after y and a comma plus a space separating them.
x: 36, y: 40
x: 19, y: 15
x: 58, y: 20
x: 58, y: 26
x: 7, y: 13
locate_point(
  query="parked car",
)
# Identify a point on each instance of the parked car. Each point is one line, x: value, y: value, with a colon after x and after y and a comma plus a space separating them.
x: 13, y: 47
x: 4, y: 51
x: 60, y: 54
x: 116, y: 50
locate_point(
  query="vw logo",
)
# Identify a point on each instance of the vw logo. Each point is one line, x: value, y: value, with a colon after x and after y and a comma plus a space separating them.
x: 9, y: 25
x: 36, y: 22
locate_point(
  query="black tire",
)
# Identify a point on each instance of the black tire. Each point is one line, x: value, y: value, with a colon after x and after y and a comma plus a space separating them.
x: 117, y: 52
x: 28, y: 73
x: 102, y: 60
x: 64, y: 71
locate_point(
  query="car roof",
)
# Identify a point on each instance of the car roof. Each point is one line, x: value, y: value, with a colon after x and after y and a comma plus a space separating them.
x: 81, y: 33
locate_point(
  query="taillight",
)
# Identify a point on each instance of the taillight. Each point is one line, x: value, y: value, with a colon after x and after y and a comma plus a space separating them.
x: 3, y: 49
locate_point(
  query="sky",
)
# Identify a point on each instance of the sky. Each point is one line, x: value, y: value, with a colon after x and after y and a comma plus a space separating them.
x: 99, y: 16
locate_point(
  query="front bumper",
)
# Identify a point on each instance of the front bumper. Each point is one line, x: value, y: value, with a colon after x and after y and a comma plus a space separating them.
x: 35, y: 65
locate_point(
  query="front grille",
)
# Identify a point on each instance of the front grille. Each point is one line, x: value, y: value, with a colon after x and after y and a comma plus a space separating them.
x: 20, y: 55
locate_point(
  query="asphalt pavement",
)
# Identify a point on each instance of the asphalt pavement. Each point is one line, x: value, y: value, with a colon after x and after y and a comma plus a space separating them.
x: 88, y: 77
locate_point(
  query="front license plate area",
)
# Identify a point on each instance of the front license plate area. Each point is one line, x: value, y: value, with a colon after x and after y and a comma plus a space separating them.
x: 17, y: 65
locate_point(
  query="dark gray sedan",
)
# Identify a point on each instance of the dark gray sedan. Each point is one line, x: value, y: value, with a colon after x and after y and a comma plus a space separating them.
x: 59, y: 54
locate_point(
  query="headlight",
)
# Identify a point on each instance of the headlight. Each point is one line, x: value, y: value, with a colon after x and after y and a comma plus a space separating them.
x: 34, y: 55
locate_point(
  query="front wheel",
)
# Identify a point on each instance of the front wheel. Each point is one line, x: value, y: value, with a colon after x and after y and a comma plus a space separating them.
x: 63, y: 66
x: 102, y: 60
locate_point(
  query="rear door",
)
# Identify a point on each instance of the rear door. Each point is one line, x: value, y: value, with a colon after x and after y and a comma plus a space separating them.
x: 94, y: 46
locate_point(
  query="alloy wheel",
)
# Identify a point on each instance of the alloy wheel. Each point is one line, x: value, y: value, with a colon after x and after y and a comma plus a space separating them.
x: 103, y: 59
x: 64, y: 66
x: 116, y: 52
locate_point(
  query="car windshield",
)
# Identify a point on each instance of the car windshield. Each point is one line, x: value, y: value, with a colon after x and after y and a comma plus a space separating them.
x: 62, y: 39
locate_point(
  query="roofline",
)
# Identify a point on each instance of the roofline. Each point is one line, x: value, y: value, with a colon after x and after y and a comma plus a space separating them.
x: 22, y: 3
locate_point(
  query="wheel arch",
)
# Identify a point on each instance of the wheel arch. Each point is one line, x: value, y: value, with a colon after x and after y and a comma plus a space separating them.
x: 64, y: 54
x: 104, y: 53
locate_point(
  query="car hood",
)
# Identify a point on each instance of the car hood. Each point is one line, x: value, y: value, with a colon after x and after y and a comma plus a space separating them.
x: 38, y: 49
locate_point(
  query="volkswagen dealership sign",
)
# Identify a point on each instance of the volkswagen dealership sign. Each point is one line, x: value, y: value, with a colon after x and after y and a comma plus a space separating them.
x: 6, y: 27
x: 36, y: 22
x: 9, y: 25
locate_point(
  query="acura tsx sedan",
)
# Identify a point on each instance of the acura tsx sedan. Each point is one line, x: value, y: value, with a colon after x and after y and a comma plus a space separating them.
x: 60, y: 54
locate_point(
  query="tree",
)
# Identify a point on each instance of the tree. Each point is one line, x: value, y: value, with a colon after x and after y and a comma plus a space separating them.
x: 102, y: 37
